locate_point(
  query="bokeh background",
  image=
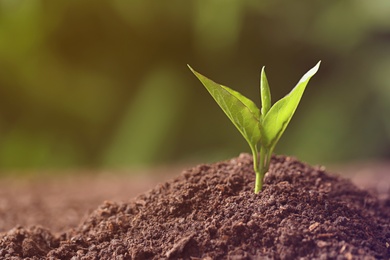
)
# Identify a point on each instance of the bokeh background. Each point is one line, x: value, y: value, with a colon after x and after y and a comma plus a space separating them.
x: 104, y: 84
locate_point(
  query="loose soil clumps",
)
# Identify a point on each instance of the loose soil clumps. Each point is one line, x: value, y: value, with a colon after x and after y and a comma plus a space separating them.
x: 211, y: 212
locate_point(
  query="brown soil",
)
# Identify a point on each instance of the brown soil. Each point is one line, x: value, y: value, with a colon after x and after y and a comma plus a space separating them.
x: 59, y: 200
x: 211, y: 212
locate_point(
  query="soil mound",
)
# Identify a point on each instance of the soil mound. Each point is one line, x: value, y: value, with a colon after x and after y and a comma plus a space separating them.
x: 211, y: 212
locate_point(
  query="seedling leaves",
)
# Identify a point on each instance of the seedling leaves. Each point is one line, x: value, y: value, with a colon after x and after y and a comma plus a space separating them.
x: 265, y: 128
x: 243, y: 113
x: 265, y: 93
x: 280, y: 114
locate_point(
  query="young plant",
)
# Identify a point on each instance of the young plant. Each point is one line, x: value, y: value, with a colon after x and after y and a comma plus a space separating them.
x: 263, y: 128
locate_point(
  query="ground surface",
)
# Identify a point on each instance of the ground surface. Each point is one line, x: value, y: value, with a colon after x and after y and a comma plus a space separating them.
x: 209, y: 211
x: 58, y: 201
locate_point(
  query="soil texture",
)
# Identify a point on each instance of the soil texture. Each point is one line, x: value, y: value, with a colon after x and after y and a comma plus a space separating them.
x: 211, y: 212
x: 59, y: 200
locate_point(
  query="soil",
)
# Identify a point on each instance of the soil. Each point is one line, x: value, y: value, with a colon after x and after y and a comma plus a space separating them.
x: 60, y: 200
x: 211, y: 212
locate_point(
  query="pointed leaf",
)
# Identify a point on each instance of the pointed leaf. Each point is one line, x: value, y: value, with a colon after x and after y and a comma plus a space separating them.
x: 243, y: 113
x: 280, y: 114
x: 265, y: 93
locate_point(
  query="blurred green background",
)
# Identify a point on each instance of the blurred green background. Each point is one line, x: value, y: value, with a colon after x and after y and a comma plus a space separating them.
x: 104, y: 84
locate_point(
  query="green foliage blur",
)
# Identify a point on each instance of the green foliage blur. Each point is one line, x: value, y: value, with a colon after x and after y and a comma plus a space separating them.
x: 104, y: 84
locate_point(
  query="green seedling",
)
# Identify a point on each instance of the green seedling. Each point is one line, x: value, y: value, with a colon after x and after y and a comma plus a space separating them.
x: 263, y: 128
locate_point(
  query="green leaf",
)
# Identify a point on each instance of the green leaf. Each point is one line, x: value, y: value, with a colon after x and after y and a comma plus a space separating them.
x: 243, y: 113
x: 280, y: 114
x: 265, y: 93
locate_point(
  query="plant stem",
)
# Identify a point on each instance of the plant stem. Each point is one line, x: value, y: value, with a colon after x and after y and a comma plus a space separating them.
x: 261, y: 167
x: 258, y: 181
